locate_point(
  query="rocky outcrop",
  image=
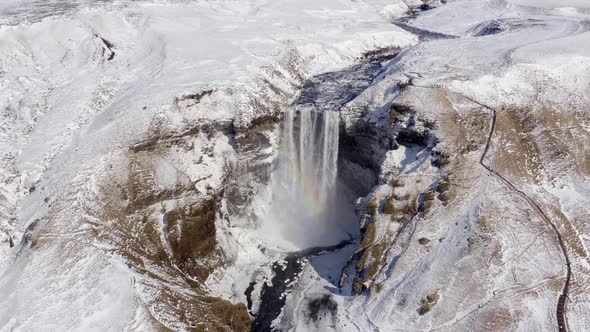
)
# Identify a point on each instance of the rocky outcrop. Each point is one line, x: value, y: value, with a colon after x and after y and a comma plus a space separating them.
x: 170, y: 197
x: 166, y: 222
x: 395, y: 145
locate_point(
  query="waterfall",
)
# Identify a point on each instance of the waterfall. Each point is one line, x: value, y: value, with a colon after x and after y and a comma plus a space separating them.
x: 304, y: 183
x: 311, y: 159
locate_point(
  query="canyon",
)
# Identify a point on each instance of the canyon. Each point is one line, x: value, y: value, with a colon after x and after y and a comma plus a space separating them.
x: 294, y: 166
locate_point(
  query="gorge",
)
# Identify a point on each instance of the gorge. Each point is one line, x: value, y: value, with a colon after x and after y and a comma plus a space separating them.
x: 300, y: 165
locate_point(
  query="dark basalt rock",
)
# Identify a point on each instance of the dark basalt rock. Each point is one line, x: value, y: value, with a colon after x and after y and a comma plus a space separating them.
x: 322, y: 307
x: 488, y: 28
x: 381, y: 54
x: 423, y: 241
x: 424, y: 7
x: 271, y: 297
x: 252, y: 168
x: 248, y: 294
x: 409, y: 136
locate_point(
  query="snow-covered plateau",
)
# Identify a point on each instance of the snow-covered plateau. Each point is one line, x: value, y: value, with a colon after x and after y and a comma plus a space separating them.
x: 294, y: 165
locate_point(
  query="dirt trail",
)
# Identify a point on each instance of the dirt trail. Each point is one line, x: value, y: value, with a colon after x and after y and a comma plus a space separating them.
x: 562, y: 302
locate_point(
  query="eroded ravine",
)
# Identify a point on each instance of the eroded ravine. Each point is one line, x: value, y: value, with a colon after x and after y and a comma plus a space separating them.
x: 561, y: 309
x: 323, y: 93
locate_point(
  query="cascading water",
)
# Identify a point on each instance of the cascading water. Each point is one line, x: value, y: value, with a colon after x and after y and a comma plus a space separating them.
x: 309, y: 206
x: 311, y: 156
x: 310, y: 211
x: 305, y: 190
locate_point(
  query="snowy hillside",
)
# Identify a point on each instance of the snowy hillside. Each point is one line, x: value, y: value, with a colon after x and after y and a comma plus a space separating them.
x: 370, y: 165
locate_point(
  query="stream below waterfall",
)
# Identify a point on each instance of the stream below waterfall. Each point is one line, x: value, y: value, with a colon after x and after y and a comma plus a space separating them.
x: 306, y: 190
x: 309, y: 205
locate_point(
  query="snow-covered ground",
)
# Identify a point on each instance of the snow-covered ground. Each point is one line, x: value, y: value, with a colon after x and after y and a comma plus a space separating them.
x: 487, y: 260
x: 83, y: 83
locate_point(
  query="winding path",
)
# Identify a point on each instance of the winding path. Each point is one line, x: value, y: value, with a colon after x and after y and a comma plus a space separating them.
x: 562, y: 302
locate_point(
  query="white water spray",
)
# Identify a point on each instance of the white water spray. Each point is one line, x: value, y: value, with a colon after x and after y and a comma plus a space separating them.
x: 304, y: 201
x: 311, y: 144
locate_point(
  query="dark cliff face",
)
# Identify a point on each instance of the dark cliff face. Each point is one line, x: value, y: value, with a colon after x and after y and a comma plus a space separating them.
x: 252, y: 170
x: 323, y: 93
x: 256, y: 140
x: 361, y: 151
x: 366, y: 138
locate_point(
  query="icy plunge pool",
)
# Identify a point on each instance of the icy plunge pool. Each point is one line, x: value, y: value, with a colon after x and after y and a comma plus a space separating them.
x: 311, y: 208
